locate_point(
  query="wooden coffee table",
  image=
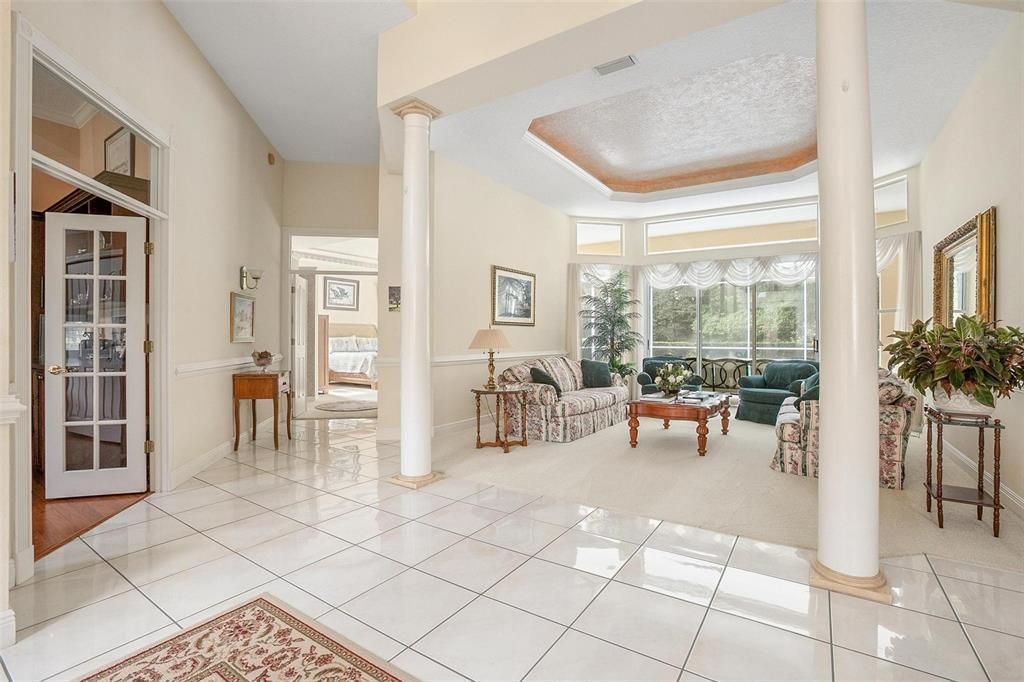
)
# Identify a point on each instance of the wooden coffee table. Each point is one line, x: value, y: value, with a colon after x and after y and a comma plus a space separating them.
x: 692, y: 412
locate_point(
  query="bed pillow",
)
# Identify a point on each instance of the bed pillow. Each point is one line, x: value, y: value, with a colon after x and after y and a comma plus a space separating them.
x: 366, y: 344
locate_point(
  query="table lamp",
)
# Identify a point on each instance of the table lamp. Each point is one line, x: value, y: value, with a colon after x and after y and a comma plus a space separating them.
x: 490, y: 340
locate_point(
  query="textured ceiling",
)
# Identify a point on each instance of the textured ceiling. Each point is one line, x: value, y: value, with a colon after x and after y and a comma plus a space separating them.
x: 746, y: 118
x: 922, y: 56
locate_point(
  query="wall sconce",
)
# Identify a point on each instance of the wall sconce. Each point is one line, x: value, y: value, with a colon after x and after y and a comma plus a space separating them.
x: 249, y: 279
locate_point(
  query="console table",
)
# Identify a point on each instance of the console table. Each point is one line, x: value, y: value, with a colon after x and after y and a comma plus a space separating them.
x: 957, y: 493
x: 501, y: 395
x: 261, y: 385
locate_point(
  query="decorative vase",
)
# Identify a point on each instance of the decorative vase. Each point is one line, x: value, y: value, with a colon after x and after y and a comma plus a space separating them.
x: 960, y: 402
x: 262, y: 360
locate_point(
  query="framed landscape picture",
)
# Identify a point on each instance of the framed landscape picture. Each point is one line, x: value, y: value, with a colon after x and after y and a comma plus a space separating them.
x: 513, y: 297
x: 341, y: 294
x: 394, y: 299
x: 243, y: 318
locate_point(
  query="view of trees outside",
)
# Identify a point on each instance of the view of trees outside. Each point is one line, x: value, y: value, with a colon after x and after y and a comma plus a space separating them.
x: 785, y: 328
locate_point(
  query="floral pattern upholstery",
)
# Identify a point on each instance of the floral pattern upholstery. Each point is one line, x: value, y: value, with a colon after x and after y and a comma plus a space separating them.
x: 578, y: 413
x: 796, y: 431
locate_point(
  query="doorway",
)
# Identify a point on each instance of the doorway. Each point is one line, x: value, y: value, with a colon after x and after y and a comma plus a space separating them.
x: 334, y: 325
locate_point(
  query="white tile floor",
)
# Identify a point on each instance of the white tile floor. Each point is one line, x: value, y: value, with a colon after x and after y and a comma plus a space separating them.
x: 465, y: 581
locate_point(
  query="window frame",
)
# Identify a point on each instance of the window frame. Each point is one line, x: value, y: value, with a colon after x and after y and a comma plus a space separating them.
x: 608, y: 223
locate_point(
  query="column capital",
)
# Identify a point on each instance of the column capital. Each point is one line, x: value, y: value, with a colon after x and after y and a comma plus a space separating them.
x: 414, y: 106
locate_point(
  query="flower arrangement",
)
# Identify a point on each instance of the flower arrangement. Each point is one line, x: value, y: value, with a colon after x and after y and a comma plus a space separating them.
x: 974, y: 359
x: 671, y: 377
x: 262, y: 359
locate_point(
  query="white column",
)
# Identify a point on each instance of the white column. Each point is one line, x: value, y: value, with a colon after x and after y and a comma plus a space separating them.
x: 848, y: 464
x: 416, y: 411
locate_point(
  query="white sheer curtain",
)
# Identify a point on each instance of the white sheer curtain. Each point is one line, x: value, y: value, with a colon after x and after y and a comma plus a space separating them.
x: 906, y: 247
x: 738, y: 271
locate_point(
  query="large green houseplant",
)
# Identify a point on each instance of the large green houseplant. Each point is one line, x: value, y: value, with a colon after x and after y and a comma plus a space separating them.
x: 967, y: 366
x: 609, y: 312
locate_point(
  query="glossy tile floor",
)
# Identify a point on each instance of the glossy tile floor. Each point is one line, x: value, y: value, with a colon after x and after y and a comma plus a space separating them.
x: 461, y: 580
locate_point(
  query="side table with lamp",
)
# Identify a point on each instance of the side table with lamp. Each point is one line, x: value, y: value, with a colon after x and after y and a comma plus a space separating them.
x: 492, y: 341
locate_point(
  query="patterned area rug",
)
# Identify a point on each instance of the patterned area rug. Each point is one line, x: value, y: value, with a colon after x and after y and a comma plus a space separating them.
x: 348, y: 405
x: 259, y: 640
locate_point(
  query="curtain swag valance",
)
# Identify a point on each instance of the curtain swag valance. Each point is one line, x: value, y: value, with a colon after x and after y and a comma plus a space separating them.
x: 739, y: 272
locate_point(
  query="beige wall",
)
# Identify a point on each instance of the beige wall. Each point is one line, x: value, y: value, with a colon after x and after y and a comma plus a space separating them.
x: 330, y: 196
x: 977, y: 161
x: 477, y: 223
x: 226, y: 200
x: 367, y: 313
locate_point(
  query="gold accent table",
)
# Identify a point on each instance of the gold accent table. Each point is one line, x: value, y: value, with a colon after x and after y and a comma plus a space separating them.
x: 501, y: 418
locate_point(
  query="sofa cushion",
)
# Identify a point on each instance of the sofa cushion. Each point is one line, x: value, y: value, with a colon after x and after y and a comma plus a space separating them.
x: 595, y: 374
x: 539, y: 376
x: 564, y: 371
x: 518, y: 374
x: 588, y: 400
x: 764, y: 396
x: 782, y: 374
x: 811, y: 389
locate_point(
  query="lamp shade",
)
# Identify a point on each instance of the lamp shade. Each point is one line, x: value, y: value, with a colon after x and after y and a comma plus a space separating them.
x: 489, y: 339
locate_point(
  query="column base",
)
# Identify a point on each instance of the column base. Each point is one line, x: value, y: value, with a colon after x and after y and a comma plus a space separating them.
x: 416, y: 482
x: 7, y: 628
x: 874, y: 588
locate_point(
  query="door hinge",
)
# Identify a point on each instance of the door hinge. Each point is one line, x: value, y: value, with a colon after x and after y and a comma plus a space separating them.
x: 293, y: 290
x: 147, y: 346
x: 148, y: 447
x: 149, y: 248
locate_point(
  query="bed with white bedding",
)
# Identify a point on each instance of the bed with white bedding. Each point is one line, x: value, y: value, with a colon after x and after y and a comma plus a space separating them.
x: 351, y: 354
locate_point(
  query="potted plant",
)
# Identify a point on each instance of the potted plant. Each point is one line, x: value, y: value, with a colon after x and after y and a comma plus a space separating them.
x: 609, y: 313
x: 671, y: 377
x: 966, y: 366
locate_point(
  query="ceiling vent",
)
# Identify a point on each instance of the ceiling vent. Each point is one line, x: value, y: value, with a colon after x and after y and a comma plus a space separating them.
x: 615, y: 65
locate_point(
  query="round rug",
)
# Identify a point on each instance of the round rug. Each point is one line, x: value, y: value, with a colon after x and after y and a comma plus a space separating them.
x: 348, y: 406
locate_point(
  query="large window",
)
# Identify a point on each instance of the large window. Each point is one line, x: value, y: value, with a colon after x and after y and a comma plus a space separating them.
x: 599, y: 239
x: 765, y: 321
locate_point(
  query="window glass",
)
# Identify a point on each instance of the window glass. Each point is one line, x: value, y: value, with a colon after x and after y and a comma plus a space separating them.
x: 798, y: 222
x: 786, y: 321
x: 674, y: 321
x: 891, y: 203
x: 725, y: 322
x: 598, y: 239
x: 74, y: 131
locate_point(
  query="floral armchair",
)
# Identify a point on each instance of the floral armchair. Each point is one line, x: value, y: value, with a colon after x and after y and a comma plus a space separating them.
x: 796, y: 430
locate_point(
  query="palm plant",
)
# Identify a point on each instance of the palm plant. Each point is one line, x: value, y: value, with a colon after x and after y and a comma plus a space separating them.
x: 609, y: 312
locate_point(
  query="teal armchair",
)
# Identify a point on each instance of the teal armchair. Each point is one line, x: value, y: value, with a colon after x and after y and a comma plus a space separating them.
x: 762, y: 395
x: 650, y: 369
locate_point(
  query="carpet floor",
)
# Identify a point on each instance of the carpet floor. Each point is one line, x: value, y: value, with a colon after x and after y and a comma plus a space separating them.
x: 731, y: 490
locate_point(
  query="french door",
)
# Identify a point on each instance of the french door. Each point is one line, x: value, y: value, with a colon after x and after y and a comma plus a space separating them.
x: 95, y: 281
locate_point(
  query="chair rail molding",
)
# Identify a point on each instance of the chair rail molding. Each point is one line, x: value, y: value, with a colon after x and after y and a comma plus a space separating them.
x: 191, y: 369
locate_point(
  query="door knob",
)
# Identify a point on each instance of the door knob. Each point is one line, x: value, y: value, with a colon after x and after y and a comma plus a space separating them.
x: 56, y: 369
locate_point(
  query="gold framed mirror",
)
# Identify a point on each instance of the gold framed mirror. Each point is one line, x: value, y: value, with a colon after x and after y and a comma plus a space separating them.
x: 964, y: 276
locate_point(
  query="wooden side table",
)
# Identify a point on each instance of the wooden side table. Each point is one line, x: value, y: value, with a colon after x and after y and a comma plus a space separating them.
x: 957, y: 493
x: 259, y: 385
x: 501, y: 395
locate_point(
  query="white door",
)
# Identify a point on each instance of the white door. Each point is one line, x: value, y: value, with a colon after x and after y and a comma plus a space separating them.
x: 300, y: 294
x: 94, y: 333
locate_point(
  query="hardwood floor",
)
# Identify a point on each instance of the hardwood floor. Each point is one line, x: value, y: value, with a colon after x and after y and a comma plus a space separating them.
x: 57, y: 522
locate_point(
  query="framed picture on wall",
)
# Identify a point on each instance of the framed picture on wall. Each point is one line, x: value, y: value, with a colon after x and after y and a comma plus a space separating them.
x: 341, y: 294
x: 242, y: 318
x: 513, y: 297
x: 119, y: 152
x: 394, y: 299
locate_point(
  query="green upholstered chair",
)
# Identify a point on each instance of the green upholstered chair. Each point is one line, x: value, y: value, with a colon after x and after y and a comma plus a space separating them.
x: 650, y: 369
x: 762, y: 395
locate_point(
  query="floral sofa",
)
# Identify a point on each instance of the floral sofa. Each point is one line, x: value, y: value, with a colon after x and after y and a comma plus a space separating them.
x: 796, y: 430
x: 578, y: 413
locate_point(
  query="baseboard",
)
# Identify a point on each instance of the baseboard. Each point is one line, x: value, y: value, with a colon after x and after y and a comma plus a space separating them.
x: 24, y: 564
x: 8, y: 629
x: 1009, y: 498
x: 194, y: 466
x: 452, y: 427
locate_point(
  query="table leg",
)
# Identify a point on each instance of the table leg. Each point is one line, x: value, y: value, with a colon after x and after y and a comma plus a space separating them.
x: 665, y: 423
x: 275, y: 422
x: 502, y: 418
x: 938, y: 471
x: 238, y: 424
x: 702, y: 436
x: 725, y: 420
x: 634, y: 426
x: 254, y: 419
x: 928, y: 468
x: 478, y: 445
x: 995, y: 480
x: 288, y: 423
x: 522, y: 399
x: 981, y: 468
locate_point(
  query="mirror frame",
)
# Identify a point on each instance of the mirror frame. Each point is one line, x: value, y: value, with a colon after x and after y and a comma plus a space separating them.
x: 983, y: 228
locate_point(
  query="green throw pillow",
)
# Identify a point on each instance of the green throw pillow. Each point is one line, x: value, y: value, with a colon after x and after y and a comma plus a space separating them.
x: 811, y: 389
x: 595, y: 374
x: 539, y: 376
